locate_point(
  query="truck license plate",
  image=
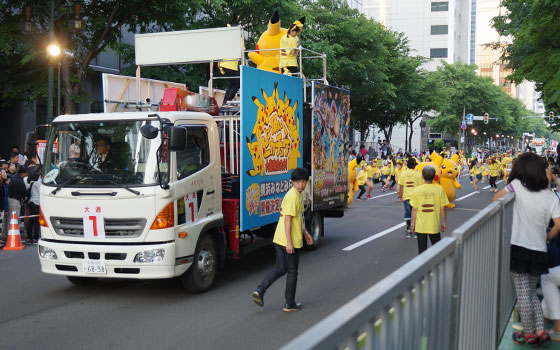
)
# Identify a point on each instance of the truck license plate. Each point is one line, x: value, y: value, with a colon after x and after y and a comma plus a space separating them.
x: 94, y: 267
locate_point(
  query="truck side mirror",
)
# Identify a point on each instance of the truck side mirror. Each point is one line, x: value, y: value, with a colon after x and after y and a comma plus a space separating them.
x: 30, y: 142
x: 149, y: 131
x: 177, y: 138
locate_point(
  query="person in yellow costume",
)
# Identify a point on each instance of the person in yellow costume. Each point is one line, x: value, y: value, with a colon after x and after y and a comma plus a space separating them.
x: 230, y: 68
x: 398, y: 170
x: 289, y: 45
x: 484, y: 171
x: 352, y: 181
x: 428, y: 203
x: 385, y: 174
x: 269, y: 39
x: 362, y: 179
x: 373, y: 173
x: 408, y: 181
x: 476, y: 173
x: 493, y: 172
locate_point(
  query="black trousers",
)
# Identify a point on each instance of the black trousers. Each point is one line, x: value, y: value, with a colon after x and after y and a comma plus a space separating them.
x: 34, y: 231
x: 285, y: 263
x: 233, y: 84
x: 493, y: 181
x: 423, y: 240
x: 362, y: 191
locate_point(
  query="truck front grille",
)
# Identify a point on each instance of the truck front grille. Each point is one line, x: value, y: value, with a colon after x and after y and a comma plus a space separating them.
x: 114, y: 228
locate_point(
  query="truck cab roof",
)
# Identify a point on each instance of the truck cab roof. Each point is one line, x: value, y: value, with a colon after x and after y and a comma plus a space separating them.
x: 171, y: 116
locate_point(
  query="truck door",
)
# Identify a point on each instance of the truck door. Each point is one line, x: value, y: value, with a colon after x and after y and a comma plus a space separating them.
x: 196, y: 187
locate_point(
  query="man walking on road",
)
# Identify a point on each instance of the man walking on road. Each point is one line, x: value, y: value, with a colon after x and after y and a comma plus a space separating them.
x: 428, y: 202
x: 288, y: 240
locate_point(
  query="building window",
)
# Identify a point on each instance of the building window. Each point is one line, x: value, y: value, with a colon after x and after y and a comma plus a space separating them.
x: 438, y: 30
x: 440, y: 6
x: 438, y: 53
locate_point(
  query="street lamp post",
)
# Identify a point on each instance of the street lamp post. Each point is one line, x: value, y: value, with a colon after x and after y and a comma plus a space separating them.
x: 75, y: 25
x: 50, y: 70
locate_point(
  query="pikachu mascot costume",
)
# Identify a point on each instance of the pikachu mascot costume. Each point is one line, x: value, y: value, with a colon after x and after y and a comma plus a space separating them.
x: 352, y: 181
x: 270, y: 39
x: 448, y: 180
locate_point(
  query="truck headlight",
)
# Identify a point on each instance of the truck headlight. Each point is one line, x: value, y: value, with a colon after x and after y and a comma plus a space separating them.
x: 47, y: 253
x: 150, y: 256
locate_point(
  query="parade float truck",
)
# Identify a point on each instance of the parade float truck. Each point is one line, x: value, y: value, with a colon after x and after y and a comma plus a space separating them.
x: 176, y: 188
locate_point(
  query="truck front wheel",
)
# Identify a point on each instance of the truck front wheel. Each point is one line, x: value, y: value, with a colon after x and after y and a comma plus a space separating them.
x: 315, y: 228
x: 200, y: 276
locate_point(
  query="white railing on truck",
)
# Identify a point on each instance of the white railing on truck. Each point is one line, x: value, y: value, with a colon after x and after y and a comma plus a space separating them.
x: 456, y: 295
x: 229, y: 129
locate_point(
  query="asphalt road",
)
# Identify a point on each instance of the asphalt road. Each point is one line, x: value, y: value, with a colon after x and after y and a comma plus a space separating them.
x: 39, y: 311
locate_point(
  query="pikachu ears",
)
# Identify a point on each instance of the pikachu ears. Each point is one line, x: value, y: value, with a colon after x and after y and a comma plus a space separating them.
x: 433, y: 156
x: 297, y: 24
x: 455, y: 158
x: 438, y: 160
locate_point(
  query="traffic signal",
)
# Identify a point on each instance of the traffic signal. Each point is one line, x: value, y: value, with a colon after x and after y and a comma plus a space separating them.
x: 550, y: 116
x: 485, y: 118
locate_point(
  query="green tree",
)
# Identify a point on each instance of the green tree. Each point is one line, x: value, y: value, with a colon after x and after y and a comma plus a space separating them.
x: 104, y: 23
x: 358, y: 53
x: 466, y: 92
x: 533, y: 54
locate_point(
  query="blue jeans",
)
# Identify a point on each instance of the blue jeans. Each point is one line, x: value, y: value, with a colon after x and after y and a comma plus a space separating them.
x: 407, y: 209
x: 285, y: 263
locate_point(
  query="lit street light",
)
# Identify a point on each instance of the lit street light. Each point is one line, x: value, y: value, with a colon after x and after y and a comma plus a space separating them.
x: 49, y: 12
x: 53, y: 50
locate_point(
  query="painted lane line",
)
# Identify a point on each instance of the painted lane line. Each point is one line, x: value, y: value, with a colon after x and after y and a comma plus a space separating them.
x: 383, y: 195
x: 465, y: 196
x: 374, y: 237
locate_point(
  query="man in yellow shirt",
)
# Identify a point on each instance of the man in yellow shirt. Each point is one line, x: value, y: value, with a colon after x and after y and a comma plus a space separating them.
x: 288, y: 241
x: 428, y: 208
x: 408, y: 181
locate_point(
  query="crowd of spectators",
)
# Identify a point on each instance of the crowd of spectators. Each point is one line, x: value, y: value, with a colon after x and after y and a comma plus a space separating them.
x: 19, y: 192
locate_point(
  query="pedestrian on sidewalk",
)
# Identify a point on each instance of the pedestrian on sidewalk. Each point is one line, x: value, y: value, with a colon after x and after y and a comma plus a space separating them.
x: 288, y: 240
x: 408, y: 181
x: 4, y: 206
x: 533, y: 208
x: 17, y: 191
x: 34, y: 229
x: 428, y: 203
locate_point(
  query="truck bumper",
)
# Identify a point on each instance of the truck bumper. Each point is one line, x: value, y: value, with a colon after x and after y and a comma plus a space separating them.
x: 109, y: 261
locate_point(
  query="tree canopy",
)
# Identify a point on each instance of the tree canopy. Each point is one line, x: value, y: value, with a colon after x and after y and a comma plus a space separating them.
x: 533, y: 52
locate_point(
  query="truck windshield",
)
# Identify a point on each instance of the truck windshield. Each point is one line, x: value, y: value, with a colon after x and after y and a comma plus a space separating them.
x: 93, y: 153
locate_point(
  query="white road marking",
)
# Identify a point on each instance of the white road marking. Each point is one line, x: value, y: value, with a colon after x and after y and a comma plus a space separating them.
x: 402, y: 224
x: 374, y: 237
x: 465, y: 196
x: 383, y: 195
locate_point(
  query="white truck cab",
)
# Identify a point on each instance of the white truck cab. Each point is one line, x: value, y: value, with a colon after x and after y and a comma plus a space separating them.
x: 128, y: 206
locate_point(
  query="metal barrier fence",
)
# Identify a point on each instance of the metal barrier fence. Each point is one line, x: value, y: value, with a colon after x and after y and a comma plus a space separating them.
x: 456, y: 295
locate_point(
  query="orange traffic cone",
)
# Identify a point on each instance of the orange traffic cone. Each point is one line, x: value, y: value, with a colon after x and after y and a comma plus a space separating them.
x: 14, y: 237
